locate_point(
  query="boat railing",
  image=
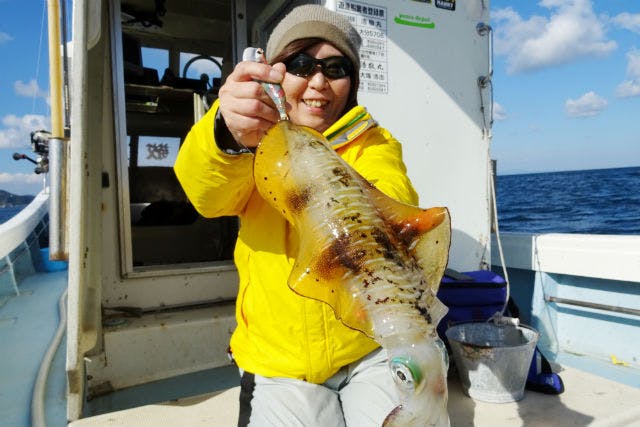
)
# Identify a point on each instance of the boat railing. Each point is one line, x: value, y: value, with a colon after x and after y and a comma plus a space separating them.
x: 20, y: 237
x: 600, y: 256
x: 581, y: 291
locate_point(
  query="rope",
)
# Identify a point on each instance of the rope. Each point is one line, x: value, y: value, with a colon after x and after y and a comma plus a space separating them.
x: 38, y: 416
x: 499, y: 317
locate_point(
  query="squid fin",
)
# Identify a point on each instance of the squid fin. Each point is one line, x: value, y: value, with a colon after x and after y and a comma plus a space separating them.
x: 425, y: 232
x: 322, y: 279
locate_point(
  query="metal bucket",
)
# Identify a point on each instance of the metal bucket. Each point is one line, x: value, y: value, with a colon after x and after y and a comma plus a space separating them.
x: 492, y: 360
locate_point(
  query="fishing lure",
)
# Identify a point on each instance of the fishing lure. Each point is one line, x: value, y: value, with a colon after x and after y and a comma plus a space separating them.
x: 274, y: 90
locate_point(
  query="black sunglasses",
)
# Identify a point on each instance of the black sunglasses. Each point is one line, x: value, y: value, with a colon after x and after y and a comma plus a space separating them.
x: 333, y: 67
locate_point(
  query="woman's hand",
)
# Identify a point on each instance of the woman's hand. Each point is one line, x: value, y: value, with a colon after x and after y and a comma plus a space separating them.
x: 245, y: 106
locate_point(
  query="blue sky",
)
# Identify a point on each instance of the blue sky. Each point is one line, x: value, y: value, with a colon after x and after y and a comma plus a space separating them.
x: 566, y: 86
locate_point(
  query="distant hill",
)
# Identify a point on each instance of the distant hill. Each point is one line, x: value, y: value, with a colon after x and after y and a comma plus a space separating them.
x: 7, y: 199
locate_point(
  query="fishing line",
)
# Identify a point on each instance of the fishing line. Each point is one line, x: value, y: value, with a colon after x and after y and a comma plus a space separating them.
x: 35, y: 92
x: 498, y: 241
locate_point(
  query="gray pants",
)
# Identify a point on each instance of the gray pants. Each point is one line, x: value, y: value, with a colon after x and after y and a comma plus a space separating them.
x: 360, y: 394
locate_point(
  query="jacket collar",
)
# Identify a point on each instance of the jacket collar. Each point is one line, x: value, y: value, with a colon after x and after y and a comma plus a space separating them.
x: 350, y: 126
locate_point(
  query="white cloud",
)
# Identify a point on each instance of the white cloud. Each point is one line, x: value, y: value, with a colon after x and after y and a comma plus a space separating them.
x: 628, y: 21
x: 20, y: 178
x: 628, y: 88
x: 499, y: 112
x: 21, y: 183
x: 633, y: 64
x: 572, y: 31
x: 29, y: 90
x: 631, y: 86
x: 16, y: 131
x: 4, y: 37
x: 589, y: 104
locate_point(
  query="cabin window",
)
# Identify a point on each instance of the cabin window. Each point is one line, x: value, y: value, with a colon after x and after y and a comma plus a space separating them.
x: 169, y: 82
x: 193, y: 66
x: 157, y: 59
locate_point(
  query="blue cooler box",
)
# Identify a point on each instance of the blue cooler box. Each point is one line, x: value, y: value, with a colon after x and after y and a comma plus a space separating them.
x: 470, y: 296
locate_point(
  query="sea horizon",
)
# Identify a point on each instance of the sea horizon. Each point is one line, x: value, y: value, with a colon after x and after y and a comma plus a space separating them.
x: 509, y: 173
x: 566, y: 171
x: 585, y: 201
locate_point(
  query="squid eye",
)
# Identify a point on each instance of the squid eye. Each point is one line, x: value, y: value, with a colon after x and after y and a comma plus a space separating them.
x: 406, y: 373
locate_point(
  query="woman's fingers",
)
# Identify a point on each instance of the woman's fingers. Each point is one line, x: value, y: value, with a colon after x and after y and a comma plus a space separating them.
x: 250, y: 99
x: 245, y: 106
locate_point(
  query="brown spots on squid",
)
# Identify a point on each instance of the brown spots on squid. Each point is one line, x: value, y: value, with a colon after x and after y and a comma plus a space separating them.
x: 297, y: 201
x: 332, y: 200
x: 355, y: 218
x: 424, y: 311
x: 343, y: 175
x: 341, y: 253
x: 387, y: 249
x: 383, y: 240
x: 406, y: 232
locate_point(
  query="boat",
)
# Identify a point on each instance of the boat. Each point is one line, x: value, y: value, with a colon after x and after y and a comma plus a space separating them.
x: 129, y: 300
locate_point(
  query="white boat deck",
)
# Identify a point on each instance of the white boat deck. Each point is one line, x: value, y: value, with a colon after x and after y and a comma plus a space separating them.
x: 589, y: 400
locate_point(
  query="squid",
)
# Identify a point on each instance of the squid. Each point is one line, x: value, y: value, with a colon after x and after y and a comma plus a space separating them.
x: 376, y: 261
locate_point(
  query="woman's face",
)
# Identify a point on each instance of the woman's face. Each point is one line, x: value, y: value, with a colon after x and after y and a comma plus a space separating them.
x: 316, y: 100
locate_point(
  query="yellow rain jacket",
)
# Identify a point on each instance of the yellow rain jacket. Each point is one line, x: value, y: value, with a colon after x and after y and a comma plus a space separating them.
x: 280, y: 333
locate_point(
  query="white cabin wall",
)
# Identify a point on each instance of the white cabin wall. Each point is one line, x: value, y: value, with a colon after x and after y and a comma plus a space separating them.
x: 99, y: 277
x: 433, y: 107
x: 89, y: 123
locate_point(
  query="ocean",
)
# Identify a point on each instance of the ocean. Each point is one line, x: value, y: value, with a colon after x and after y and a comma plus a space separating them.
x: 7, y: 213
x: 600, y: 201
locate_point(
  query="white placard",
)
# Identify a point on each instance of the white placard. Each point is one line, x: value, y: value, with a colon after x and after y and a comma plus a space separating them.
x: 371, y: 23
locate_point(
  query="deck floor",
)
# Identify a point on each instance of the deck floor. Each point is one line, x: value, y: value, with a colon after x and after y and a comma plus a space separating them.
x: 27, y: 325
x: 589, y: 400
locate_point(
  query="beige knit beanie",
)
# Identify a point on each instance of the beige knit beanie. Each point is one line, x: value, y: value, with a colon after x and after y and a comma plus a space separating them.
x: 315, y: 21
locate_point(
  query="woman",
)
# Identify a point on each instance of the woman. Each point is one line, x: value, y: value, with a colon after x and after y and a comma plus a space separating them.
x: 299, y: 364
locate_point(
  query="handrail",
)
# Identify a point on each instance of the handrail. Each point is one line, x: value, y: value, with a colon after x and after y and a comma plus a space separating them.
x: 11, y: 260
x: 17, y: 229
x: 486, y: 81
x: 603, y: 256
x: 594, y: 305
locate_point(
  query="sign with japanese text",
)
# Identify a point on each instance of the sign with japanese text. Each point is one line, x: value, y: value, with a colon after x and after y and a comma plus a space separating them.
x: 371, y: 24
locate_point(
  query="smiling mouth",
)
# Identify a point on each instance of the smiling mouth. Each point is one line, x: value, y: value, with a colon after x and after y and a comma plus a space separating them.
x: 315, y: 103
